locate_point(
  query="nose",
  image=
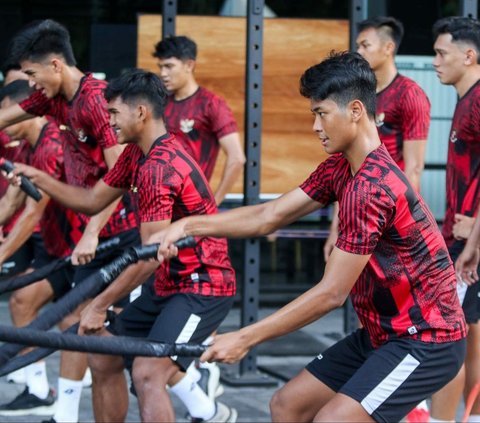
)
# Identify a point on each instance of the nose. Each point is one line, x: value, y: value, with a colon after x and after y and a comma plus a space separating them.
x: 317, y: 125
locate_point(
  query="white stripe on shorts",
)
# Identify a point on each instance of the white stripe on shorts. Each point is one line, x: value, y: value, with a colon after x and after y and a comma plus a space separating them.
x: 188, y: 330
x: 461, y: 290
x: 390, y: 384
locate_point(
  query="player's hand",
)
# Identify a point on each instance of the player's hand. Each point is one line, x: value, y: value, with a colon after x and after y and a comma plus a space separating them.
x: 92, y: 319
x: 84, y: 251
x: 462, y: 227
x: 227, y: 348
x: 467, y: 264
x: 166, y: 238
x: 22, y: 169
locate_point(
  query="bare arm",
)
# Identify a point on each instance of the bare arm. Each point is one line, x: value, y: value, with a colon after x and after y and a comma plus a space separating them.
x: 11, y: 201
x: 24, y: 226
x: 83, y: 200
x: 466, y: 264
x: 333, y: 235
x: 235, y: 160
x: 94, y: 314
x: 242, y: 222
x: 13, y: 114
x: 414, y: 158
x: 327, y: 295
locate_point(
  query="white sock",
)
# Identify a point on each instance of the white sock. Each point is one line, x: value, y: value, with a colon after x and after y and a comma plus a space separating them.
x: 434, y: 420
x: 207, y: 365
x: 197, y: 402
x: 37, y: 381
x: 474, y: 418
x: 193, y: 372
x: 68, y: 402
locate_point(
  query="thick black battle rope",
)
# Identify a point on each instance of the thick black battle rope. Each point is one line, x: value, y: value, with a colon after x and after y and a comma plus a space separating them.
x: 115, y: 345
x: 89, y: 288
x: 17, y: 282
x: 26, y: 184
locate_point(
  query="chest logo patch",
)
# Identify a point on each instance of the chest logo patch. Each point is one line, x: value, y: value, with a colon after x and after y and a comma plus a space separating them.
x: 453, y: 136
x: 186, y: 125
x: 379, y: 119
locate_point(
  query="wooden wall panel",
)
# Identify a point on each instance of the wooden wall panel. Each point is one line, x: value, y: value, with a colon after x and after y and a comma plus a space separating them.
x: 290, y: 151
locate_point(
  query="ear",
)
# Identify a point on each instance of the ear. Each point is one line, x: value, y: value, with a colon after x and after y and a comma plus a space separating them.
x: 57, y: 65
x: 471, y: 56
x: 390, y: 48
x: 142, y: 112
x: 190, y: 65
x: 356, y: 109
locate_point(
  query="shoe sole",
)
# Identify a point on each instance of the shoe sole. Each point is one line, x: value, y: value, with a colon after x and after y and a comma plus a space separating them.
x: 44, y: 410
x: 219, y: 391
x: 233, y: 416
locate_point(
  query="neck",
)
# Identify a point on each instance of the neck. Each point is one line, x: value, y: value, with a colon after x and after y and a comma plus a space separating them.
x: 35, y: 128
x: 151, y: 132
x: 187, y: 90
x: 71, y: 81
x: 385, y: 75
x: 467, y: 81
x: 364, y: 144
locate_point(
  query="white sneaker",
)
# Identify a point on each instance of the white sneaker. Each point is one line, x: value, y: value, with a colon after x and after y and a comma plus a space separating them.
x: 18, y: 376
x: 87, y: 378
x: 210, y: 380
x: 223, y: 413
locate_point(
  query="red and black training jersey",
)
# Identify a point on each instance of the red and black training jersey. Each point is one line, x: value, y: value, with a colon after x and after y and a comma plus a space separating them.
x: 403, y: 115
x: 463, y: 161
x: 169, y: 185
x: 198, y: 122
x: 15, y: 151
x: 408, y: 288
x: 85, y: 126
x: 61, y: 228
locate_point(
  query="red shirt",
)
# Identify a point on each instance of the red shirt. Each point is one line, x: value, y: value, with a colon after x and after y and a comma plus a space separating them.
x: 198, y: 122
x: 403, y: 115
x: 408, y: 288
x: 169, y: 185
x: 61, y: 228
x: 463, y: 161
x: 84, y: 122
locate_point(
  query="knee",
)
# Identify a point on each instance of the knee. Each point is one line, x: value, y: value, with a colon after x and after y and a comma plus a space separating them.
x: 104, y: 365
x: 20, y: 305
x: 146, y: 370
x: 278, y: 406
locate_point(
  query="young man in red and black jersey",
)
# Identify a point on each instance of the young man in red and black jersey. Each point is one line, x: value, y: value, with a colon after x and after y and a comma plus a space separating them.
x: 76, y: 103
x: 55, y: 241
x: 190, y: 295
x: 457, y: 63
x: 389, y: 256
x: 403, y: 108
x: 200, y: 119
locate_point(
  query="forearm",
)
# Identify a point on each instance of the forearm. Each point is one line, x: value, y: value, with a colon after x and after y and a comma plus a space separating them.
x: 414, y: 175
x: 473, y: 240
x: 9, y: 207
x: 231, y: 172
x: 128, y: 280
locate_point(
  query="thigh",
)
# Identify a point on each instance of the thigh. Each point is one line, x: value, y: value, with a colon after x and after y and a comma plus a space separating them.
x: 400, y: 374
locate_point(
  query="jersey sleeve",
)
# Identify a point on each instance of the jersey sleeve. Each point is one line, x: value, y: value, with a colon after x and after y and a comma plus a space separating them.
x: 38, y: 104
x: 221, y: 117
x: 416, y: 114
x: 319, y: 185
x: 365, y: 213
x: 49, y: 157
x: 95, y: 111
x: 122, y: 173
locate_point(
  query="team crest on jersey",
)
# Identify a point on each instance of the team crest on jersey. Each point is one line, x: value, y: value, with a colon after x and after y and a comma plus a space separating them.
x: 379, y: 119
x: 81, y: 135
x: 453, y: 136
x: 186, y: 125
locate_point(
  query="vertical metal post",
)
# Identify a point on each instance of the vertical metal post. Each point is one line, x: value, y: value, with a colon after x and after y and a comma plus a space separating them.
x: 358, y: 12
x: 169, y: 13
x: 469, y: 8
x: 247, y: 370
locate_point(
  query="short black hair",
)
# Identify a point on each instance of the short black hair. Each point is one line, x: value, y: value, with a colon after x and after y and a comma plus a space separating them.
x: 16, y: 91
x: 180, y: 47
x: 390, y: 26
x: 462, y: 29
x: 136, y: 85
x: 342, y: 77
x: 39, y: 39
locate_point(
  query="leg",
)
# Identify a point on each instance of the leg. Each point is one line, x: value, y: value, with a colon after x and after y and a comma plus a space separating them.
x: 472, y: 364
x: 150, y: 376
x: 300, y: 399
x: 109, y: 387
x: 446, y: 400
x: 26, y: 302
x: 342, y: 408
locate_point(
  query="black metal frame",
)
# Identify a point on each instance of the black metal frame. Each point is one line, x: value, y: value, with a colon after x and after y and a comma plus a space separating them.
x: 469, y: 8
x: 358, y: 12
x: 169, y: 14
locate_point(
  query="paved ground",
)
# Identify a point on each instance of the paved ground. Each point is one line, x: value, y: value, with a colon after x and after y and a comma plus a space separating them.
x: 250, y: 401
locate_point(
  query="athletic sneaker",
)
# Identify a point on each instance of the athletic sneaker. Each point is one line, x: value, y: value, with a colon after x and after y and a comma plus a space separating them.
x: 210, y: 381
x: 17, y: 376
x: 26, y: 403
x: 223, y: 413
x: 51, y: 420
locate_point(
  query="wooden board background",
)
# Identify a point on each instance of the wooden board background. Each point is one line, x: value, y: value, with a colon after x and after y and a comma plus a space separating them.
x: 290, y: 150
